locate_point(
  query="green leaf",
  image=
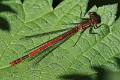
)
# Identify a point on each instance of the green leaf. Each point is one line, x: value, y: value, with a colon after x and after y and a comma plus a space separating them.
x: 38, y: 16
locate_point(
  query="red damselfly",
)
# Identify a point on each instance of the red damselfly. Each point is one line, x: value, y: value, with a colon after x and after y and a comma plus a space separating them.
x: 91, y: 22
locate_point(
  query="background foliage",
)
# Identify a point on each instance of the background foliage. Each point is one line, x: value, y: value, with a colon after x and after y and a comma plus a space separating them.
x: 93, y: 58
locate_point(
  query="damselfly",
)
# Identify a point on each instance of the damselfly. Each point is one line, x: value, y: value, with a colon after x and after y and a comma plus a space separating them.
x: 85, y: 23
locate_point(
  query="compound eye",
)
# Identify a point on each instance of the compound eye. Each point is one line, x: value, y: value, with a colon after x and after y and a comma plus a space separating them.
x: 95, y: 17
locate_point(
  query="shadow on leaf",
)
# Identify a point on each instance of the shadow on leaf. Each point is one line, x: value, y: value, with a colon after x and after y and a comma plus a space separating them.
x: 6, y: 8
x: 117, y: 61
x: 76, y: 77
x: 101, y: 73
x: 4, y: 25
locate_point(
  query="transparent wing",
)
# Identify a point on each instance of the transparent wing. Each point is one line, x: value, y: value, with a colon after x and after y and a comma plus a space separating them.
x: 43, y: 34
x: 38, y: 57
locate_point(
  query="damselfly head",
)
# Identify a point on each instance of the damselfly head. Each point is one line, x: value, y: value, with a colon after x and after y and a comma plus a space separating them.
x: 95, y: 18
